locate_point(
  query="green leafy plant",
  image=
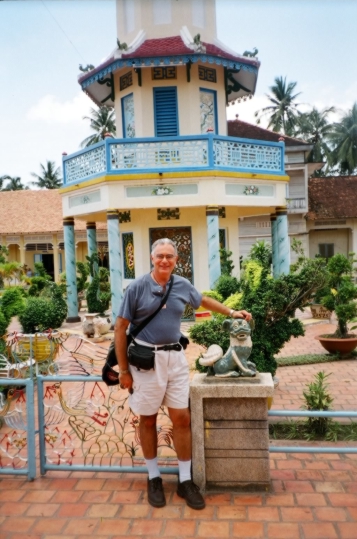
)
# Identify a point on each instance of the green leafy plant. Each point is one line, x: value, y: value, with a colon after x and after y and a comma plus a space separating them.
x: 317, y: 398
x: 12, y: 302
x: 227, y: 285
x: 272, y: 303
x: 227, y: 265
x: 97, y: 301
x: 341, y: 292
x: 45, y: 312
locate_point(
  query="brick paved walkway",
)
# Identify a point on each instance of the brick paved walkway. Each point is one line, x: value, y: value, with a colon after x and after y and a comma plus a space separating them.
x: 313, y: 496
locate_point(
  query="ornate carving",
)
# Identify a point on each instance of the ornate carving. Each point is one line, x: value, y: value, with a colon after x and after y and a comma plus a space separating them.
x: 234, y: 363
x: 163, y: 73
x: 125, y: 217
x: 126, y: 80
x: 207, y: 73
x: 168, y: 213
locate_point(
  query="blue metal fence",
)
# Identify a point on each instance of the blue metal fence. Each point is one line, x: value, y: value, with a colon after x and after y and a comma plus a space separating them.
x: 13, y: 441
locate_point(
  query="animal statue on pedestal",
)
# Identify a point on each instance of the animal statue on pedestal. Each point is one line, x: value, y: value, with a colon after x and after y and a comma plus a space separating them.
x: 234, y: 363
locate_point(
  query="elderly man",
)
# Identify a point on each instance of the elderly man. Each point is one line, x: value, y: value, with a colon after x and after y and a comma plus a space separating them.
x: 168, y: 382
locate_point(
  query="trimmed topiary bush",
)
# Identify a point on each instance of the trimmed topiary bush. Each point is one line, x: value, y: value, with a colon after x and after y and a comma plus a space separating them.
x: 12, y: 302
x: 42, y: 313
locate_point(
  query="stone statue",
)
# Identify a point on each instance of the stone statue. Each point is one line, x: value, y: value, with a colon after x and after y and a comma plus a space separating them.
x: 234, y: 363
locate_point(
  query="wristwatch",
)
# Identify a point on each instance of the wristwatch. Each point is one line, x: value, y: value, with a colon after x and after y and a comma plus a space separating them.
x: 231, y: 312
x: 124, y: 372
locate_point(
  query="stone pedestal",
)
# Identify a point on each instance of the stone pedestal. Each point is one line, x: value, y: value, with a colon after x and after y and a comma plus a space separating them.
x: 230, y: 438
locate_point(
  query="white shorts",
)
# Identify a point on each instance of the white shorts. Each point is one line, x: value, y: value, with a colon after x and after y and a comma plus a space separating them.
x: 167, y: 385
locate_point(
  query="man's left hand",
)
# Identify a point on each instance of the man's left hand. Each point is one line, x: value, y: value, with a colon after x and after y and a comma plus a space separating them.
x: 242, y: 314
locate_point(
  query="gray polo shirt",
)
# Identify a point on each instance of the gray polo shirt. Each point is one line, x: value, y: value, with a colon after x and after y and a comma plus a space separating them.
x: 143, y: 296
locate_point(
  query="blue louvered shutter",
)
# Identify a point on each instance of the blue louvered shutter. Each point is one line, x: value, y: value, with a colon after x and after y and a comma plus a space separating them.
x: 165, y: 111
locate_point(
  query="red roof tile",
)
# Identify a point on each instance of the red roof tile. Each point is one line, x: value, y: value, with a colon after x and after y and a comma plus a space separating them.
x: 32, y: 212
x: 237, y: 128
x: 334, y: 197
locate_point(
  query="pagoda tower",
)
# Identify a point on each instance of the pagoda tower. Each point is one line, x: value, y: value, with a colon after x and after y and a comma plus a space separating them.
x: 172, y: 171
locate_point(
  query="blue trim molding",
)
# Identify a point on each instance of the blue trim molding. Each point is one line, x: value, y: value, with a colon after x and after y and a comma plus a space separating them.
x: 165, y: 60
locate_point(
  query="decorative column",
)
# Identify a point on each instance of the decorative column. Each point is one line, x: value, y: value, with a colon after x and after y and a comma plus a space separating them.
x: 70, y: 253
x: 283, y: 241
x: 214, y: 261
x: 92, y: 243
x: 22, y: 250
x: 92, y: 238
x: 116, y: 276
x: 274, y: 244
x: 55, y: 258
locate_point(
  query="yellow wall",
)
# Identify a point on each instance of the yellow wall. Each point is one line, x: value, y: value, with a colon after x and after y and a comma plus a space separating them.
x: 188, y: 100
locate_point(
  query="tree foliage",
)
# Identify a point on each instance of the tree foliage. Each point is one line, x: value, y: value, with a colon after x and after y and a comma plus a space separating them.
x: 283, y: 111
x: 49, y: 177
x: 102, y: 122
x: 272, y: 302
x: 343, y: 139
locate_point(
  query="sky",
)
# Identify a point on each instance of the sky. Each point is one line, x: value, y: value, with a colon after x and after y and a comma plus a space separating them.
x: 42, y: 43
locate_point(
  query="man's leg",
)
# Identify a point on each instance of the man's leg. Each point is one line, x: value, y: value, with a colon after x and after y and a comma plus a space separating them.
x: 148, y: 439
x: 181, y: 424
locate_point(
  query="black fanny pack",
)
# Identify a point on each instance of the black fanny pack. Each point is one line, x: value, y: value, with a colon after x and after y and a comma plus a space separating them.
x: 142, y: 357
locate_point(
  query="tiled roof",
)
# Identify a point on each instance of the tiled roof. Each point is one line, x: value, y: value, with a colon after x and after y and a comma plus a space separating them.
x: 334, y: 197
x: 237, y: 128
x: 33, y: 212
x: 174, y: 46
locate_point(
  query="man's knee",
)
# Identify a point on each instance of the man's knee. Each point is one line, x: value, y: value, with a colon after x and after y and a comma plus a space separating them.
x: 180, y: 418
x: 148, y: 421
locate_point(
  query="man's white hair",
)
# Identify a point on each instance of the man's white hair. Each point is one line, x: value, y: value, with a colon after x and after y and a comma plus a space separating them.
x: 163, y: 241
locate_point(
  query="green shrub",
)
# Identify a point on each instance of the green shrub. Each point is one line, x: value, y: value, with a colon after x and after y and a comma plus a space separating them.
x: 234, y: 301
x: 227, y: 285
x: 272, y: 303
x: 37, y: 285
x: 12, y: 302
x: 42, y: 313
x: 3, y: 324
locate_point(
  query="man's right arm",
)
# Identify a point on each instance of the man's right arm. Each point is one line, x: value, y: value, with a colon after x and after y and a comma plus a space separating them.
x: 121, y: 325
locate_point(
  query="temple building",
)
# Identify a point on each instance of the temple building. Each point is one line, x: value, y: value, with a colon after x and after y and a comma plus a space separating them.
x: 173, y: 170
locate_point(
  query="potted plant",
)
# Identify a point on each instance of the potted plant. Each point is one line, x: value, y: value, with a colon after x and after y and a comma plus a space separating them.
x: 44, y: 313
x: 339, y: 297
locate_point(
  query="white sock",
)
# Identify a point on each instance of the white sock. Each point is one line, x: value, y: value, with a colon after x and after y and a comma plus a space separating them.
x: 153, y: 468
x: 184, y: 470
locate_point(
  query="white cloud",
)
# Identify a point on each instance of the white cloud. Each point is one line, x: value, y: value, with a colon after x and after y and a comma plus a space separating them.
x: 246, y: 109
x: 51, y: 110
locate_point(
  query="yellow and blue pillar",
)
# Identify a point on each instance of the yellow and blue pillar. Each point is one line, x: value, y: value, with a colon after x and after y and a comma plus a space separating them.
x: 214, y: 259
x: 283, y: 241
x: 71, y: 273
x: 115, y: 262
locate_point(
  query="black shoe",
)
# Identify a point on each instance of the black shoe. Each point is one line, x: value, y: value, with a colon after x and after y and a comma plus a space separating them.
x: 156, y: 496
x: 191, y: 493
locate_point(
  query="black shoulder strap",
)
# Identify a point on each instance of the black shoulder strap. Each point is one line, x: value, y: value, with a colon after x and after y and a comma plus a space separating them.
x: 145, y: 322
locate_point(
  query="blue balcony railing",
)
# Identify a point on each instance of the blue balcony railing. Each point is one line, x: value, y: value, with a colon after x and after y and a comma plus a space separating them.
x: 173, y: 154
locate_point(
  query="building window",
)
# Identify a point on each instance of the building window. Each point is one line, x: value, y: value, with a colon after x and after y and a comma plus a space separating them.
x: 326, y: 250
x: 165, y: 112
x: 127, y: 106
x: 208, y: 111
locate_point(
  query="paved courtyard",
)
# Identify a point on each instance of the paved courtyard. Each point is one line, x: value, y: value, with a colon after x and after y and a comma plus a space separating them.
x: 312, y: 496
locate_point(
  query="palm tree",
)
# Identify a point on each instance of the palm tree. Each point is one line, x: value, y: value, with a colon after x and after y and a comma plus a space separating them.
x: 344, y: 142
x: 283, y: 111
x: 49, y: 178
x: 102, y: 121
x: 14, y: 184
x: 313, y: 127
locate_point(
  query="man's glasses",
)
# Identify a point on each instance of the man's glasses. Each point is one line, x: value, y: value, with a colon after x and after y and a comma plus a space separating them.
x: 168, y: 257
